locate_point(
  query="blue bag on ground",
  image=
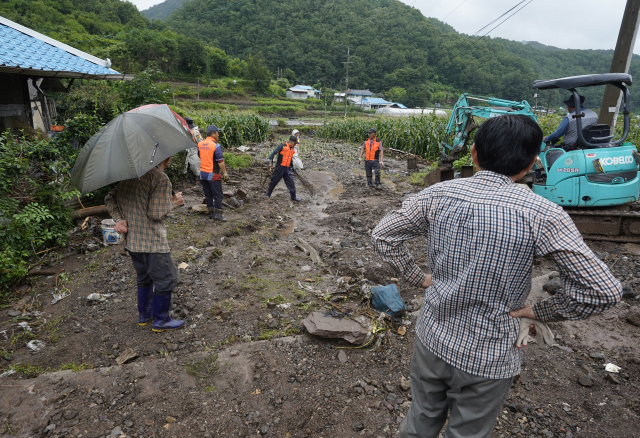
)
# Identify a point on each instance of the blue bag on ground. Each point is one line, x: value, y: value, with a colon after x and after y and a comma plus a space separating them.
x: 387, y: 299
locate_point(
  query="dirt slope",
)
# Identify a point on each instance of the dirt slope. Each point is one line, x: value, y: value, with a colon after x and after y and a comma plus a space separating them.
x: 243, y: 368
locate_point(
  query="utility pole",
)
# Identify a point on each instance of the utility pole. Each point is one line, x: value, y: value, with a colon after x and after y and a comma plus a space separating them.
x: 549, y: 102
x: 346, y: 83
x: 198, y: 89
x: 620, y: 62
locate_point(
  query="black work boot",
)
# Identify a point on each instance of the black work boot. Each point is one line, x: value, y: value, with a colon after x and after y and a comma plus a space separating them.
x: 192, y: 178
x: 218, y: 215
x: 212, y: 213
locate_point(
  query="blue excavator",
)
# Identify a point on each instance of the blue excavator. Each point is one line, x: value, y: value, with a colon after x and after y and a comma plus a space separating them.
x: 599, y: 172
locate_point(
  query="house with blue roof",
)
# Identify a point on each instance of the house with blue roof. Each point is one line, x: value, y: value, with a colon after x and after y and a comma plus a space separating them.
x: 377, y: 103
x: 32, y: 64
x: 302, y: 92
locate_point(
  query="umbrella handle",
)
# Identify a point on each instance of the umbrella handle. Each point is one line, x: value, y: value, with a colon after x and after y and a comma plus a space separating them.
x: 153, y: 154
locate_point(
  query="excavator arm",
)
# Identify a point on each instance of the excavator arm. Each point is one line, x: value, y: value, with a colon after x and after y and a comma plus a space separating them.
x: 461, y: 123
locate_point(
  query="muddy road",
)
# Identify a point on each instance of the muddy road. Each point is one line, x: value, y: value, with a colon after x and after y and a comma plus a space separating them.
x: 244, y: 365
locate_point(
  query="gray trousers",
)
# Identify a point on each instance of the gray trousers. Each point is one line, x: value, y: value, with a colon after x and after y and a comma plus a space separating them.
x: 372, y: 165
x: 157, y: 269
x: 473, y: 402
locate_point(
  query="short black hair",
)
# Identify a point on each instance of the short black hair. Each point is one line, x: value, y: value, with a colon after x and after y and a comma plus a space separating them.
x: 508, y: 144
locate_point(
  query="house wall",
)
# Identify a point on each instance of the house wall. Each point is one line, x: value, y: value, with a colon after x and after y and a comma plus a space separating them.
x: 292, y: 95
x: 15, y: 110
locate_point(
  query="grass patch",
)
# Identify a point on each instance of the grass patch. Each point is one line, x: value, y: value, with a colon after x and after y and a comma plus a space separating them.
x: 51, y: 331
x: 237, y: 161
x: 75, y: 367
x: 278, y: 299
x: 27, y: 369
x: 203, y: 368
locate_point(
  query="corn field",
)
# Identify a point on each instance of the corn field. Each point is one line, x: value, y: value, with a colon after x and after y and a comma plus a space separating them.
x: 236, y: 130
x: 418, y: 135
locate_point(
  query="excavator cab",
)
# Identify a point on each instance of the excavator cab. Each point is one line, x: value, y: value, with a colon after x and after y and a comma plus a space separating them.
x: 599, y: 171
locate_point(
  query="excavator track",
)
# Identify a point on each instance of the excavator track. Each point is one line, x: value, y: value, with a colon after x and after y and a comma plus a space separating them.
x: 617, y: 224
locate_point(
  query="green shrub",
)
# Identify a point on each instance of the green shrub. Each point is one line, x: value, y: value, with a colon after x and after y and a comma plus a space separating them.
x: 234, y: 161
x: 34, y: 183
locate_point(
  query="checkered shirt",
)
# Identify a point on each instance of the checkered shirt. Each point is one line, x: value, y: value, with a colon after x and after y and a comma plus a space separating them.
x: 144, y: 203
x: 482, y: 236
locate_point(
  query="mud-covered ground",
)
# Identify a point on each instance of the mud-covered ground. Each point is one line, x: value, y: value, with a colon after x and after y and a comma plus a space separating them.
x: 244, y: 366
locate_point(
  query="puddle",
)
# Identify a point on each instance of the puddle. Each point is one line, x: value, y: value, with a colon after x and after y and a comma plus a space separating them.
x: 334, y: 193
x: 289, y: 228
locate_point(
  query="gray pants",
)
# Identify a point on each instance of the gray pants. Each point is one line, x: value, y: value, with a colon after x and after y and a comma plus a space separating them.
x: 157, y: 269
x: 374, y: 165
x: 437, y: 387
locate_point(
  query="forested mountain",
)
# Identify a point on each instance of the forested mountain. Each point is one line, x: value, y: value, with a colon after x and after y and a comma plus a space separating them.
x: 394, y: 49
x: 391, y: 45
x: 162, y: 10
x: 551, y: 62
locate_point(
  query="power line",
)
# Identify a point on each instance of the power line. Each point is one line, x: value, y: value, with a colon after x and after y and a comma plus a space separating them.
x: 482, y: 28
x: 507, y: 18
x: 455, y: 9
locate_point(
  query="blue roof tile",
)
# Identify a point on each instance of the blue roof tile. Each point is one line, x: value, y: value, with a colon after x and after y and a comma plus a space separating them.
x: 26, y: 51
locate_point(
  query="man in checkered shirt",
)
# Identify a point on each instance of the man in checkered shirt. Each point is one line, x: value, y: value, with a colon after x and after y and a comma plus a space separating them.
x: 482, y: 236
x: 139, y: 207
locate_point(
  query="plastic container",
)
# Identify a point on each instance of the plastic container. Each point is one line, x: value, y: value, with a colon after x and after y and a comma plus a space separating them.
x: 109, y: 235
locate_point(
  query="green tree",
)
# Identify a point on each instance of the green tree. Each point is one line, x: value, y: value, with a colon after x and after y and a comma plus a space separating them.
x: 258, y: 72
x: 290, y: 75
x: 396, y: 94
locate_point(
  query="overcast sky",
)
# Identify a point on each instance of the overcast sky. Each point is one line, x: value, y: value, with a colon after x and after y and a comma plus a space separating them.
x: 545, y: 21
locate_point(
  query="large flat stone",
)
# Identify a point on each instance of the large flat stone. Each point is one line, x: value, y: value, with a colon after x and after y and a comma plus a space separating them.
x: 326, y: 326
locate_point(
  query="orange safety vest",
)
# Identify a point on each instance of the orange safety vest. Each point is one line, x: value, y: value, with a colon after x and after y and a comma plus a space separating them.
x: 207, y: 148
x: 372, y: 148
x: 284, y: 158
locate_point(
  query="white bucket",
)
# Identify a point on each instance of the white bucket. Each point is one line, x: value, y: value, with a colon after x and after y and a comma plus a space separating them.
x: 109, y: 235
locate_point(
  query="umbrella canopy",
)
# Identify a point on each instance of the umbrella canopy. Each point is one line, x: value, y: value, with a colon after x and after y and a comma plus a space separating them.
x: 129, y: 146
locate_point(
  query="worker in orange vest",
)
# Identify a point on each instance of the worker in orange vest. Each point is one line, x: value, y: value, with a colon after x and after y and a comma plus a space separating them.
x: 372, y: 148
x: 285, y: 154
x: 212, y: 171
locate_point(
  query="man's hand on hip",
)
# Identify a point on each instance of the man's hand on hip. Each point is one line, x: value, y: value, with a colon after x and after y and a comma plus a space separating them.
x: 178, y: 200
x: 121, y: 227
x: 427, y: 282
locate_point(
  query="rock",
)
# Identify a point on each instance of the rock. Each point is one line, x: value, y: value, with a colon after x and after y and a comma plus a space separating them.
x: 342, y: 356
x: 358, y: 427
x: 116, y: 431
x: 128, y: 424
x: 305, y: 268
x: 70, y: 415
x: 627, y: 291
x: 553, y: 286
x: 633, y: 316
x: 564, y: 348
x: 345, y: 243
x: 600, y: 255
x: 234, y: 202
x: 14, y: 313
x: 404, y: 384
x: 612, y: 378
x: 234, y: 353
x: 200, y: 208
x: 271, y: 305
x: 126, y: 356
x: 52, y: 426
x: 264, y: 430
x: 585, y: 381
x: 170, y: 419
x: 355, y: 222
x: 595, y: 355
x: 553, y: 274
x: 325, y: 326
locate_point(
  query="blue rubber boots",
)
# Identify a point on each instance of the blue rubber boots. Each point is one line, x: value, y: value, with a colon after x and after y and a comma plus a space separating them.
x: 145, y: 306
x: 161, y: 319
